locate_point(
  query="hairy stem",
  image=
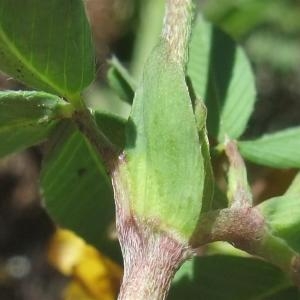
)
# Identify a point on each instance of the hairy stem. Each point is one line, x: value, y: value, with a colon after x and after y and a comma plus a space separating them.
x: 151, y: 257
x: 177, y: 28
x: 245, y: 228
x: 278, y: 252
x: 240, y: 226
x: 151, y: 261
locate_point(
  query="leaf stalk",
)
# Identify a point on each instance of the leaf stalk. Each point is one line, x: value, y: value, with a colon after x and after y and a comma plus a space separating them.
x: 87, y: 125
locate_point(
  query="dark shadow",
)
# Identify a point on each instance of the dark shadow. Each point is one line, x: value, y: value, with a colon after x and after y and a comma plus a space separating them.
x: 191, y: 90
x: 131, y: 134
x: 113, y: 128
x: 221, y: 63
x: 224, y: 277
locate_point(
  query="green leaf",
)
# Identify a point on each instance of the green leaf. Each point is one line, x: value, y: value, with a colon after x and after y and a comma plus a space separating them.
x: 221, y: 277
x: 47, y: 45
x: 120, y: 81
x: 283, y: 214
x: 165, y: 168
x: 77, y: 191
x: 261, y: 26
x: 279, y: 150
x: 27, y: 118
x: 221, y: 75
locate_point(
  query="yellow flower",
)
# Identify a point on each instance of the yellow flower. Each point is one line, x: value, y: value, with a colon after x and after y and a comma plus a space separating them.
x: 94, y: 276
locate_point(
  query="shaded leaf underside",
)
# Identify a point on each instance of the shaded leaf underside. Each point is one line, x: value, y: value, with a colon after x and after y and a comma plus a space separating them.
x: 76, y: 188
x: 222, y: 277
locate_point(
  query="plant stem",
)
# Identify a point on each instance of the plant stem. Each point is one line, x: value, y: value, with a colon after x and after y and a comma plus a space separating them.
x: 240, y: 226
x: 151, y: 256
x: 245, y: 228
x: 150, y: 263
x: 177, y: 28
x: 278, y: 252
x: 87, y: 125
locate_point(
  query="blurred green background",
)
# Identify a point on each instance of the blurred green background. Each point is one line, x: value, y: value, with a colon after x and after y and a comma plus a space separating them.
x: 269, y: 30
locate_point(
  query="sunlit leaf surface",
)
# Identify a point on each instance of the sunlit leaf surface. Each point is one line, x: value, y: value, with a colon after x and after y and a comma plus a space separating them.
x: 280, y: 149
x: 221, y: 75
x: 47, y: 44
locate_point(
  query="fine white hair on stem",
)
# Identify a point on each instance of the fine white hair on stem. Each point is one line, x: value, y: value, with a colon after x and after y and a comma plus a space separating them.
x: 177, y: 27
